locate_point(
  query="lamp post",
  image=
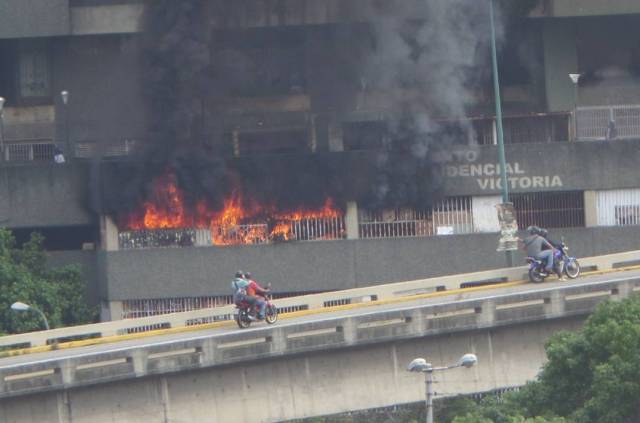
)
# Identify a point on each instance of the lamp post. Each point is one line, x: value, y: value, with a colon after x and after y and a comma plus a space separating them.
x: 1, y: 127
x: 18, y: 306
x: 501, y: 154
x: 575, y: 78
x: 420, y: 365
x: 64, y: 94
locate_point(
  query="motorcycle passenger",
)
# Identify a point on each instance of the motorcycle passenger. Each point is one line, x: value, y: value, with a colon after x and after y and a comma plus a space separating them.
x: 256, y: 291
x: 535, y: 246
x: 558, y: 246
x: 240, y: 286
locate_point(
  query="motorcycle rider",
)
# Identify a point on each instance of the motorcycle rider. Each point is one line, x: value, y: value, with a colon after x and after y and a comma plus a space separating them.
x: 535, y: 246
x: 558, y: 246
x: 256, y: 291
x: 240, y: 287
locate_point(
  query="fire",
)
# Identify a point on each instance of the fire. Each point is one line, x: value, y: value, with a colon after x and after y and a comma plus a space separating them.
x: 240, y: 221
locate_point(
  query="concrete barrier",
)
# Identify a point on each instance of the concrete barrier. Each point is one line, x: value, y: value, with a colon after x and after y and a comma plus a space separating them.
x: 301, y: 303
x: 560, y: 301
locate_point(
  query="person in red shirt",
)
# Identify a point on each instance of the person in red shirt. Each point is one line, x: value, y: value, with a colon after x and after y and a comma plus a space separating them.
x: 256, y: 291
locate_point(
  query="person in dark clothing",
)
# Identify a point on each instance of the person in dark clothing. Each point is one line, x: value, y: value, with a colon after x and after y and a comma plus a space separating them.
x: 538, y: 247
x: 558, y: 245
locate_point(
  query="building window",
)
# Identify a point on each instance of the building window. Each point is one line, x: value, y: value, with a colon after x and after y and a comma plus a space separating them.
x: 549, y: 209
x: 33, y: 72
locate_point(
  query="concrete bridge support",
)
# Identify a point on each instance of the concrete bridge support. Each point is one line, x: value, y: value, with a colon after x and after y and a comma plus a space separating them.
x: 316, y: 383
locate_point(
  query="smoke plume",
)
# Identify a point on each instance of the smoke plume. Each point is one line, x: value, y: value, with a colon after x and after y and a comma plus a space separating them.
x: 429, y: 58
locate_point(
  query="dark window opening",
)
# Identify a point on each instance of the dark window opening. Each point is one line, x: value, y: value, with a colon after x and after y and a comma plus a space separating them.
x: 359, y: 136
x: 61, y: 237
x: 273, y: 142
x: 25, y: 72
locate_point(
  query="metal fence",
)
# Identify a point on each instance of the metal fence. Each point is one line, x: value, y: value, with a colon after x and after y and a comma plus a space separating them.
x: 618, y: 207
x: 132, y: 309
x: 535, y: 128
x: 597, y: 123
x: 549, y: 209
x: 29, y: 151
x: 157, y: 238
x: 311, y: 229
x: 450, y: 216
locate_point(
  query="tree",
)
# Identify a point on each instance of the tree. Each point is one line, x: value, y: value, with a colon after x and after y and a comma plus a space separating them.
x: 591, y: 376
x: 24, y: 277
x: 589, y: 371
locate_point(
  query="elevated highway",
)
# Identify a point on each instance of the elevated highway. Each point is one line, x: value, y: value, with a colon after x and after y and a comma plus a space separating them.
x: 314, y: 361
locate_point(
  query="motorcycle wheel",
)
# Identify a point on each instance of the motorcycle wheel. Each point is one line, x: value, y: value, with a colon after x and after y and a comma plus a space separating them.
x: 572, y: 268
x: 271, y: 314
x: 535, y: 276
x: 243, y: 320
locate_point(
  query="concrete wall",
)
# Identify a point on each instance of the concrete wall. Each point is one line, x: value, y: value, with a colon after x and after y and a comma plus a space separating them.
x: 44, y: 195
x: 560, y: 59
x: 564, y: 166
x: 33, y: 18
x: 301, y: 386
x: 325, y: 265
x: 559, y: 8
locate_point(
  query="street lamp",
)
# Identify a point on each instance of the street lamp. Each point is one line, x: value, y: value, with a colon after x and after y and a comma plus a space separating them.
x: 64, y: 94
x: 503, y: 165
x: 575, y: 78
x: 421, y: 365
x: 1, y: 127
x: 18, y: 306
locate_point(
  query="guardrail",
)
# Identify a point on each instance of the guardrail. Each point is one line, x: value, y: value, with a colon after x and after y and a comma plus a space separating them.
x: 305, y: 302
x: 226, y: 348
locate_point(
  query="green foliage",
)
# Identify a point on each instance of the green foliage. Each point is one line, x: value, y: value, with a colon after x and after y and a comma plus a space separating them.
x: 589, y: 371
x: 592, y: 376
x: 24, y: 277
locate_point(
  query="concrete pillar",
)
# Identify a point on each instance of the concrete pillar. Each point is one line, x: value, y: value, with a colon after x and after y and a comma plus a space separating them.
x: 560, y: 59
x: 313, y: 138
x: 351, y: 220
x: 235, y: 141
x: 111, y: 310
x: 590, y: 208
x: 108, y: 234
x: 336, y: 142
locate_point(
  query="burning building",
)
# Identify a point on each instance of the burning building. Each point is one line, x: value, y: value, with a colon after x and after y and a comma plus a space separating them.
x: 242, y: 128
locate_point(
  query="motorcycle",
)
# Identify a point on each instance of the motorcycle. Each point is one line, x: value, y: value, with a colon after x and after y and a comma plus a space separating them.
x: 563, y: 263
x: 245, y: 312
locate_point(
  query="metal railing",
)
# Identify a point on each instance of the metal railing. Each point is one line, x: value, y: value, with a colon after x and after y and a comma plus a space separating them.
x: 311, y: 229
x: 597, y: 123
x: 451, y: 216
x: 618, y: 207
x: 532, y: 128
x: 549, y: 209
x: 156, y: 238
x: 306, y: 302
x: 40, y: 150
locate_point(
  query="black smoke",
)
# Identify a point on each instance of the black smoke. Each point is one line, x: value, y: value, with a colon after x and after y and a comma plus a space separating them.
x: 430, y: 58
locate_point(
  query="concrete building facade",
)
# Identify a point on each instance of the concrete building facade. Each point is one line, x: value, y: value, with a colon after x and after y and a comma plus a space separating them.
x: 315, y: 82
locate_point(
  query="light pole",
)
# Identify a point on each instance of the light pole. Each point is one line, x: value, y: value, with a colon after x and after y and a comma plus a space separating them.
x: 421, y: 365
x: 18, y: 306
x: 575, y: 78
x: 64, y: 94
x: 501, y: 154
x: 1, y: 127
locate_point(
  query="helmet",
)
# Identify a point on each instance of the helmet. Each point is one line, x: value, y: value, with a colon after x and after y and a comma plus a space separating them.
x: 533, y: 230
x: 543, y: 232
x: 240, y: 274
x: 247, y: 275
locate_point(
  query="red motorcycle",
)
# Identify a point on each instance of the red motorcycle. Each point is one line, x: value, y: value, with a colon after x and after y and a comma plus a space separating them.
x: 245, y: 312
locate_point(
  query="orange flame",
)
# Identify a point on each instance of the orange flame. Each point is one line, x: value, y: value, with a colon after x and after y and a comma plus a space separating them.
x: 239, y: 221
